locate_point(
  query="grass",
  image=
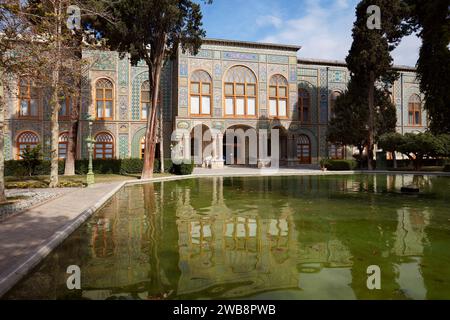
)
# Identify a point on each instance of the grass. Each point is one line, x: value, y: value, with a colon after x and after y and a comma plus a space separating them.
x: 75, y: 181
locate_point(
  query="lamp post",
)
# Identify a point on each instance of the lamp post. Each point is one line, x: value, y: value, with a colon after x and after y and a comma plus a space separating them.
x: 90, y: 180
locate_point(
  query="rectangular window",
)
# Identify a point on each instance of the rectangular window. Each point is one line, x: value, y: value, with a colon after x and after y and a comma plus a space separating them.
x: 273, y: 91
x: 195, y: 105
x: 240, y: 106
x: 206, y: 105
x: 251, y: 90
x: 282, y: 92
x: 229, y: 89
x: 229, y: 106
x: 206, y: 88
x: 99, y: 109
x: 273, y: 107
x: 240, y: 89
x: 144, y: 110
x: 108, y: 109
x: 417, y: 118
x: 195, y: 88
x: 251, y: 107
x: 282, y: 108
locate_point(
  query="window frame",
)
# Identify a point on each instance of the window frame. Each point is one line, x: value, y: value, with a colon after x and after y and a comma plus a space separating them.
x: 66, y: 143
x: 28, y: 97
x: 104, y: 100
x: 245, y: 96
x: 96, y: 143
x: 301, y: 106
x: 278, y: 98
x: 414, y: 107
x: 200, y: 95
x: 308, y: 145
x: 19, y: 143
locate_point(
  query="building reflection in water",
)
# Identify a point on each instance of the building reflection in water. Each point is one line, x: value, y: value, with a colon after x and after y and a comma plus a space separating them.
x: 272, y: 237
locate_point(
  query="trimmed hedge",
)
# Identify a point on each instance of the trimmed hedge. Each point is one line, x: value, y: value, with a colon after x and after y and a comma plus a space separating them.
x: 181, y: 169
x: 112, y: 166
x: 341, y: 165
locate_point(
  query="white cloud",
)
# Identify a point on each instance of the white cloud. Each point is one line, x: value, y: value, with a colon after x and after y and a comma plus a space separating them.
x: 269, y: 21
x: 407, y: 52
x: 324, y: 32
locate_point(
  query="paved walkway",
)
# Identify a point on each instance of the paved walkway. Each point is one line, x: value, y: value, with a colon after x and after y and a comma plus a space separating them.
x: 29, y: 237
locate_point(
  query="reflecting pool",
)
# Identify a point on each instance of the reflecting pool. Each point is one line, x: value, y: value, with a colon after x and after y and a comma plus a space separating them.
x: 304, y: 237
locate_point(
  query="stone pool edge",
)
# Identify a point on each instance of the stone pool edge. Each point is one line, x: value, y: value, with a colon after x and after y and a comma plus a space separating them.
x: 63, y: 233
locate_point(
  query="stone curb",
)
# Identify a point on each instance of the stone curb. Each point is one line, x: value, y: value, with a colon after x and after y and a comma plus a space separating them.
x: 23, y: 269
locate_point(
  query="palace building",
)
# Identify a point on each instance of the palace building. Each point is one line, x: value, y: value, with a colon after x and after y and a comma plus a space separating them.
x: 227, y: 85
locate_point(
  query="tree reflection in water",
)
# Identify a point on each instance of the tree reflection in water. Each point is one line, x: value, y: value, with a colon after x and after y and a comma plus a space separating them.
x: 262, y: 237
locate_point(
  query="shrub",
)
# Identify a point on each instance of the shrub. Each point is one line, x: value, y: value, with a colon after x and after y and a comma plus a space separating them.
x: 31, y: 158
x: 17, y: 168
x: 341, y: 165
x: 324, y: 163
x: 181, y: 169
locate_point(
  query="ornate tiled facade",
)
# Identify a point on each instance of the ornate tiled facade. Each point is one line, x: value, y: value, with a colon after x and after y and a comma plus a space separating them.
x: 318, y: 80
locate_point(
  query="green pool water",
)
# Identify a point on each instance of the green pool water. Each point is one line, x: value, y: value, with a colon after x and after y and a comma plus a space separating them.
x: 304, y: 237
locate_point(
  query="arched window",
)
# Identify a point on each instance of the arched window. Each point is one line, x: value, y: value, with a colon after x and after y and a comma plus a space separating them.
x: 104, y: 99
x: 415, y: 110
x: 25, y: 140
x: 240, y: 92
x: 304, y: 106
x: 336, y: 152
x: 63, y: 145
x: 201, y: 91
x: 333, y: 97
x: 278, y: 93
x: 145, y: 99
x: 304, y: 149
x: 28, y: 99
x: 104, y: 146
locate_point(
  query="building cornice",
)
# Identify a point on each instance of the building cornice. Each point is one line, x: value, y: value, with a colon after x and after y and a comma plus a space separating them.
x: 338, y: 63
x: 250, y: 44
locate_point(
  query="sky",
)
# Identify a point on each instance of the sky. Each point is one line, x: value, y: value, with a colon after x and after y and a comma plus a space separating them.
x: 321, y: 27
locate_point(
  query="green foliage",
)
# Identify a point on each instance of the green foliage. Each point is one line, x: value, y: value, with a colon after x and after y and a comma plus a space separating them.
x: 349, y: 125
x: 324, y: 162
x: 31, y: 158
x: 390, y: 141
x: 341, y: 165
x: 181, y: 169
x: 433, y: 66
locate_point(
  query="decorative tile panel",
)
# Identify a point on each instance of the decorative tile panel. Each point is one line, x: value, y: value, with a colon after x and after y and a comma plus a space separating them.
x: 123, y: 146
x: 136, y: 95
x: 123, y: 71
x: 232, y: 55
x: 278, y: 59
x: 323, y: 96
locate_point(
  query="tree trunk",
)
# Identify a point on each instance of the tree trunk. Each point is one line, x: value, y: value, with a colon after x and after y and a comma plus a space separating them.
x: 150, y: 133
x: 394, y: 159
x: 2, y: 155
x: 161, y: 139
x: 55, y: 103
x: 370, y: 140
x: 361, y: 151
x: 69, y: 168
x: 54, y: 145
